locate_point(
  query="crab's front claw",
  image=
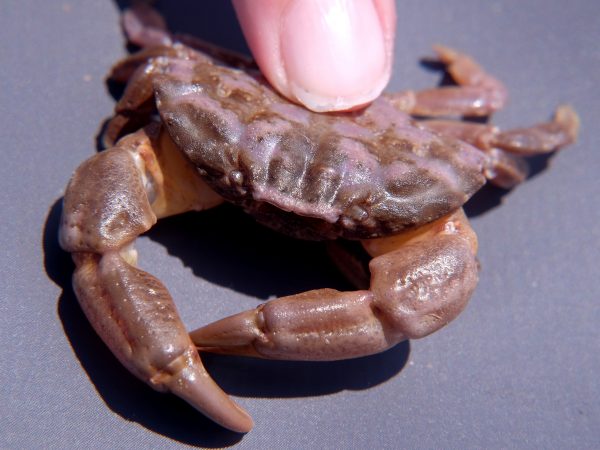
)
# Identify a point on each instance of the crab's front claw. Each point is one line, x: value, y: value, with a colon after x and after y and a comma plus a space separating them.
x: 420, y: 281
x: 136, y: 317
x: 111, y: 199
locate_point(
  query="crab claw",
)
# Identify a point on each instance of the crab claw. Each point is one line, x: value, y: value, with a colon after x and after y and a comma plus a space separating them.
x: 420, y: 281
x: 136, y: 317
x: 111, y: 199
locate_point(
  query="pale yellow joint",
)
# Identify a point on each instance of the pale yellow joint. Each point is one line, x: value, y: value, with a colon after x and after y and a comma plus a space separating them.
x: 182, y: 188
x: 453, y: 223
x: 162, y: 376
x: 569, y: 119
x: 172, y: 182
x: 129, y: 254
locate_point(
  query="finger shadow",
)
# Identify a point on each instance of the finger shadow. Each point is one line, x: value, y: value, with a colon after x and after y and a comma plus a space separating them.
x: 243, y: 377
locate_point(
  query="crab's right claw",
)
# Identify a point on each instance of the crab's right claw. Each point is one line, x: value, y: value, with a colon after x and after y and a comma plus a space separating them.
x: 112, y: 198
x: 136, y: 317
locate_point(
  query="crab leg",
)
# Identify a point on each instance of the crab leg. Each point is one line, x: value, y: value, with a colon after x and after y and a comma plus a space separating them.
x: 537, y: 139
x: 112, y: 198
x: 477, y: 94
x: 137, y: 104
x: 161, y: 50
x: 146, y: 28
x: 506, y: 150
x: 420, y: 281
x: 542, y: 138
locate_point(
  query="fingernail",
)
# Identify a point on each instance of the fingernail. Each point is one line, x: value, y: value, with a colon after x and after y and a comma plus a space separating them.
x: 334, y: 53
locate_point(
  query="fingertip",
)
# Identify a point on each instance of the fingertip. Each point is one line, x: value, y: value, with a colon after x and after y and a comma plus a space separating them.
x: 328, y: 55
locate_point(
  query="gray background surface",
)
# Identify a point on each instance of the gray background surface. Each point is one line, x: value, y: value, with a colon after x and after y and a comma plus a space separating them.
x: 518, y: 369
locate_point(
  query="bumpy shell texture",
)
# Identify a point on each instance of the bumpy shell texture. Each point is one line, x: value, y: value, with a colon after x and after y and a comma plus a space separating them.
x: 317, y: 176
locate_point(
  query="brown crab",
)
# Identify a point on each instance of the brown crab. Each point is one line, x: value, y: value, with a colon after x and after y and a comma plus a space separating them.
x: 375, y: 175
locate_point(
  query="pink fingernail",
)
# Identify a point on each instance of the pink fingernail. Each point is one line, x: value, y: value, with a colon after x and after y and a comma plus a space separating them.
x: 334, y: 53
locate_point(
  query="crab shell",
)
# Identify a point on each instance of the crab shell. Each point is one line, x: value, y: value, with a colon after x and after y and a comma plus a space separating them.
x: 318, y: 176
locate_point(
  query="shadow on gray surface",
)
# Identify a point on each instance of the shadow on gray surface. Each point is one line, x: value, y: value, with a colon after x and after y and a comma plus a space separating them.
x: 490, y: 196
x: 291, y: 267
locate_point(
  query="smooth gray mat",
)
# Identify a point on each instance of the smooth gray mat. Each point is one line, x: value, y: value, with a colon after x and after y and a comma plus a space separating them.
x: 518, y: 369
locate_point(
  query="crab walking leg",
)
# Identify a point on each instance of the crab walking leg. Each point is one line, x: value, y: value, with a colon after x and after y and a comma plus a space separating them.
x: 542, y: 138
x: 138, y: 72
x: 477, y: 94
x: 545, y: 137
x: 506, y: 150
x: 146, y: 28
x: 137, y: 104
x: 502, y: 168
x: 420, y: 281
x: 112, y: 198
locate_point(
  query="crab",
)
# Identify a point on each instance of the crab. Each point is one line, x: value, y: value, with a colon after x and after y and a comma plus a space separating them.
x: 198, y: 126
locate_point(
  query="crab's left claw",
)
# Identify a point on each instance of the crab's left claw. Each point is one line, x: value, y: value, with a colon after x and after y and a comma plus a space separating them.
x: 112, y: 198
x: 420, y: 281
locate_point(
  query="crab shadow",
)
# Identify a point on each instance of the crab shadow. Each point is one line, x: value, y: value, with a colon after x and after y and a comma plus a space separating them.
x: 242, y: 377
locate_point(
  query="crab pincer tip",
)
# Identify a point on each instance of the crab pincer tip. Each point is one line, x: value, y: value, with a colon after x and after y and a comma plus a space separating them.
x: 196, y: 387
